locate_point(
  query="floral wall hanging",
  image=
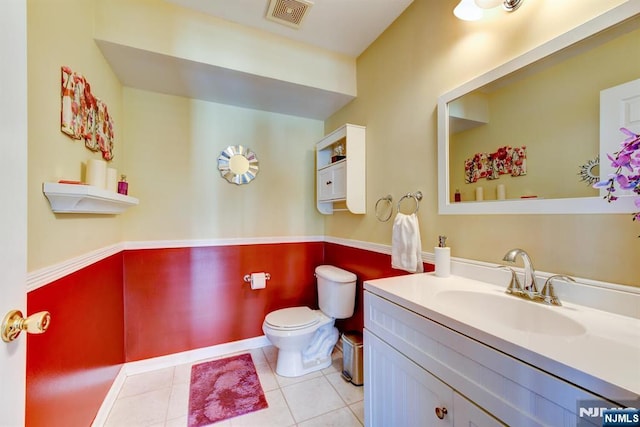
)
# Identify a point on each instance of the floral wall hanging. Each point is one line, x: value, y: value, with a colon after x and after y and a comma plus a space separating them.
x: 506, y: 160
x: 84, y: 116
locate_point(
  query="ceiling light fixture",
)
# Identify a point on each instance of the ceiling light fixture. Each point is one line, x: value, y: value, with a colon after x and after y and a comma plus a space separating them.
x: 472, y: 10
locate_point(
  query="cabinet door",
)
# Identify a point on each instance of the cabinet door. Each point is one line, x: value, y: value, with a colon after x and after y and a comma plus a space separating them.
x: 325, y: 184
x: 470, y: 415
x: 340, y: 181
x: 399, y: 393
x: 332, y: 183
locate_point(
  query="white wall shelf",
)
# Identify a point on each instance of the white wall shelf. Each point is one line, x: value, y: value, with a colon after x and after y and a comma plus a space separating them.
x: 77, y: 198
x: 341, y: 181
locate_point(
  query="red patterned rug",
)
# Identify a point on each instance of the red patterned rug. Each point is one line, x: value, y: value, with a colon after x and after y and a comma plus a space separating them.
x: 224, y: 388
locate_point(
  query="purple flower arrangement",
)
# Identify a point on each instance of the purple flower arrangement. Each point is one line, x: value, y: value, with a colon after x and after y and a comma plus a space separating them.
x: 627, y: 173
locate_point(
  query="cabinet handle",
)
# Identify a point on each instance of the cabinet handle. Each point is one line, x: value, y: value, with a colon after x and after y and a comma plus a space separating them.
x: 441, y: 412
x: 329, y: 182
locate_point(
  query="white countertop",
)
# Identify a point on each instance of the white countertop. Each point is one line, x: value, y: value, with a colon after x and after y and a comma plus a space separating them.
x: 605, y: 359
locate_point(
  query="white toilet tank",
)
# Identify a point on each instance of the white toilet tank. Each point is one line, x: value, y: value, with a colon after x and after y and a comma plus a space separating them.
x: 336, y: 291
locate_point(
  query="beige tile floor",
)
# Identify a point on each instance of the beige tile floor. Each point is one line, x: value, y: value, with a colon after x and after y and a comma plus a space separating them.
x: 161, y: 398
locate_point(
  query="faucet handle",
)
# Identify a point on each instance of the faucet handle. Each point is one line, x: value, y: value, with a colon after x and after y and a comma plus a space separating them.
x: 548, y: 293
x: 514, y: 285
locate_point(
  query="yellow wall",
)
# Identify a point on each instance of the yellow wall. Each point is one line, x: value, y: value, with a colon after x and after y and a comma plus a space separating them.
x: 426, y: 53
x: 167, y: 146
x: 171, y: 160
x: 61, y: 33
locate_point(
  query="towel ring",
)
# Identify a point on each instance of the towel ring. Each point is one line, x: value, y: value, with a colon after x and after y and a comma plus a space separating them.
x: 417, y: 196
x: 389, y: 205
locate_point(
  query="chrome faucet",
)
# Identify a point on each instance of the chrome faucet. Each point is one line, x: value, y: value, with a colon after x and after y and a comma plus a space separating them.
x: 530, y: 290
x: 514, y: 288
x: 548, y: 294
x: 529, y: 284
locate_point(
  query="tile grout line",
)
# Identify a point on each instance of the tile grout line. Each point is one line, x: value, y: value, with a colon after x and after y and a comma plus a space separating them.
x: 173, y: 384
x: 295, y: 424
x: 347, y: 405
x: 178, y: 382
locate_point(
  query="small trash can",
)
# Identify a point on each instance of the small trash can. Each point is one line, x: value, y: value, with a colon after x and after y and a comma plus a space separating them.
x: 352, y: 361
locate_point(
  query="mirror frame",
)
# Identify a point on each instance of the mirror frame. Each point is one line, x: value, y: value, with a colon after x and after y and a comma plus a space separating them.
x: 233, y: 177
x: 578, y: 205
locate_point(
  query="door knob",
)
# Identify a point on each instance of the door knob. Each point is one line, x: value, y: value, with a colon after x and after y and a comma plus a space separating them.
x: 14, y: 323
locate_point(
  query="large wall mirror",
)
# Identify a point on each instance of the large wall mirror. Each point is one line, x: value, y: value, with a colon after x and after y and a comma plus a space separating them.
x: 542, y: 114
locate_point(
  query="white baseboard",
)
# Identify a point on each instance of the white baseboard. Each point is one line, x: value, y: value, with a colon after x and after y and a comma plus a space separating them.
x: 109, y: 400
x: 155, y: 363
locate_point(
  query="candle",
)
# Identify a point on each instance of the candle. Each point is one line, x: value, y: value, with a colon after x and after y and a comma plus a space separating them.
x: 501, y: 193
x: 96, y: 173
x: 112, y: 179
x: 479, y: 194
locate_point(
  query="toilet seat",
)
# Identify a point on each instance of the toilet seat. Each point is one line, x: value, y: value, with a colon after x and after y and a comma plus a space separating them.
x: 292, y: 318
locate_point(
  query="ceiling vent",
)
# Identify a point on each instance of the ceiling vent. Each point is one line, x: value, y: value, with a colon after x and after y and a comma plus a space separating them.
x: 288, y: 12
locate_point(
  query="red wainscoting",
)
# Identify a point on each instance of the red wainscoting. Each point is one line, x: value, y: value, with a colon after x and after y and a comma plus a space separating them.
x: 186, y: 298
x: 71, y: 367
x: 366, y: 265
x: 140, y: 304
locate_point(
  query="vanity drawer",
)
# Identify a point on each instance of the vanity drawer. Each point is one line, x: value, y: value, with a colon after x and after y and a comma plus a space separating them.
x: 512, y: 391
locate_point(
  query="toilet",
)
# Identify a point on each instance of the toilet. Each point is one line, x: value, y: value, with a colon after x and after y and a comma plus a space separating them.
x: 304, y: 337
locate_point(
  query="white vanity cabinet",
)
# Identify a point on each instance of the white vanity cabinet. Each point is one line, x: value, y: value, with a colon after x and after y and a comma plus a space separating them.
x: 414, y: 365
x: 340, y: 170
x: 401, y: 393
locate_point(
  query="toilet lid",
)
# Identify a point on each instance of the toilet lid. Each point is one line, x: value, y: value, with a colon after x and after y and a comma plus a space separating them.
x: 292, y: 318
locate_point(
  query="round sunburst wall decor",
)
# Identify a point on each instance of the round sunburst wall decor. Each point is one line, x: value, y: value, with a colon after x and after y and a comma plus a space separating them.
x: 238, y: 164
x: 590, y: 171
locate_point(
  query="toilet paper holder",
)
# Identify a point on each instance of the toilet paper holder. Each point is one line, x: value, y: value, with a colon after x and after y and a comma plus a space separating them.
x: 247, y: 277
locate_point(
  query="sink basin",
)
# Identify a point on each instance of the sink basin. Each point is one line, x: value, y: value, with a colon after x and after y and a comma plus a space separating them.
x: 510, y: 312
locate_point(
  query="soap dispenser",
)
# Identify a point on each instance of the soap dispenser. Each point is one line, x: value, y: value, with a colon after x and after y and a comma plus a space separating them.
x: 443, y: 257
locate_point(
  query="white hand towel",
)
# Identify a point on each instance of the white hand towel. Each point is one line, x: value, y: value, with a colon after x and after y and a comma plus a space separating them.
x: 406, y: 247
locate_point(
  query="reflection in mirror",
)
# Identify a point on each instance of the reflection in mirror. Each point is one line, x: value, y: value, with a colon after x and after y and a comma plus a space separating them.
x: 529, y: 134
x: 590, y: 171
x: 238, y: 164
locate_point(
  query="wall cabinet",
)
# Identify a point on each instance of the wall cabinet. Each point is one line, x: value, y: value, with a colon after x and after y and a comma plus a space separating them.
x: 414, y: 365
x: 340, y: 170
